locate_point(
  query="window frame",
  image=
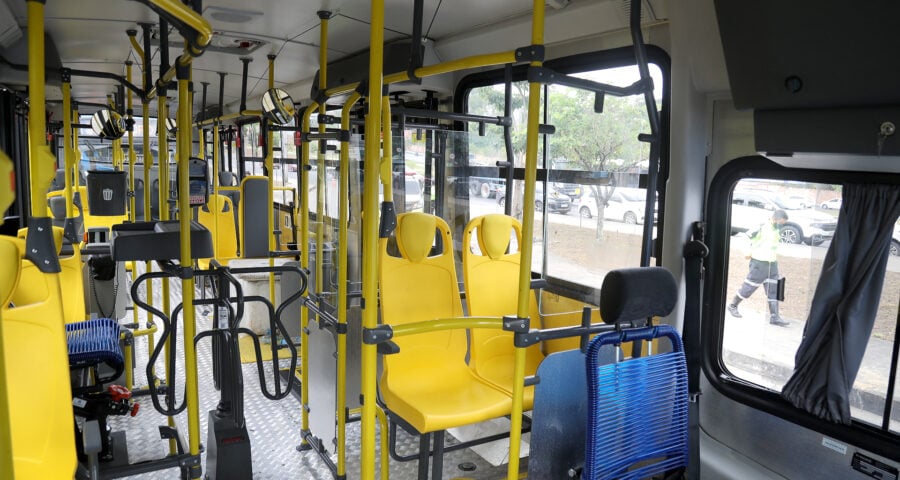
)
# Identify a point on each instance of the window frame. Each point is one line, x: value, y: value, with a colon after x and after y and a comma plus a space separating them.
x: 598, y: 60
x: 715, y: 295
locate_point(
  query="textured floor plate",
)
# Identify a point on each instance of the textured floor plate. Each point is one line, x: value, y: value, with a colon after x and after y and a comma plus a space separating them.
x: 274, y: 426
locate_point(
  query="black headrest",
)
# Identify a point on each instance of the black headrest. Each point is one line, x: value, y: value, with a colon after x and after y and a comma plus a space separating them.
x: 637, y: 293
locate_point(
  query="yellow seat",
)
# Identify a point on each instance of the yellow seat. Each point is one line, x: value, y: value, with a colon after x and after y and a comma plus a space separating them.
x: 70, y: 277
x: 34, y: 346
x: 90, y: 221
x: 218, y: 217
x: 491, y: 276
x: 428, y: 384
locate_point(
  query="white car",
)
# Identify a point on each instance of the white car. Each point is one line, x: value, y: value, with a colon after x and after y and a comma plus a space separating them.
x: 625, y: 205
x: 833, y: 204
x: 751, y: 208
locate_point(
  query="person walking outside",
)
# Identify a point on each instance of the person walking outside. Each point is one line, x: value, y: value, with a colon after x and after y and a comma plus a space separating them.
x: 763, y: 267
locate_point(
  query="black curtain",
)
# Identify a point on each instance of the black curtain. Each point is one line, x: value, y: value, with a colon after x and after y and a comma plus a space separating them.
x: 845, y: 303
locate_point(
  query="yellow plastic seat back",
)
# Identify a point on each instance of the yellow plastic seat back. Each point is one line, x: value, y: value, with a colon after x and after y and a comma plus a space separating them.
x: 34, y: 347
x: 491, y: 276
x: 419, y: 286
x: 218, y: 217
x: 428, y: 383
x: 70, y: 277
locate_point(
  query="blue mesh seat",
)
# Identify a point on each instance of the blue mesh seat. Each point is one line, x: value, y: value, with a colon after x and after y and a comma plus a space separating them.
x: 637, y: 409
x: 94, y: 342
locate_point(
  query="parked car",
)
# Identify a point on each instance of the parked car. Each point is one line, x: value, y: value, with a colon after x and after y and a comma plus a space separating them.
x: 486, y: 187
x: 833, y: 204
x: 571, y: 190
x: 556, y: 202
x: 798, y: 202
x: 751, y: 208
x: 414, y: 199
x: 624, y: 205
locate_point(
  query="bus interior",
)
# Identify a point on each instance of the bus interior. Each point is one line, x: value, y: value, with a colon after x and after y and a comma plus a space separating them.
x: 557, y: 239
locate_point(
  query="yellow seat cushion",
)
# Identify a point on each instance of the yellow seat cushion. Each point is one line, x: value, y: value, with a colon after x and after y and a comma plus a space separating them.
x: 428, y: 383
x: 491, y: 276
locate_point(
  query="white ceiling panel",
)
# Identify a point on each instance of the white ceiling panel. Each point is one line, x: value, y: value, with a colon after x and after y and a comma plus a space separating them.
x: 90, y: 35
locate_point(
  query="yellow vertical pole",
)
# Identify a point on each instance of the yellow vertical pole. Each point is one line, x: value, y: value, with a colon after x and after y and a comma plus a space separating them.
x: 42, y: 161
x: 68, y: 153
x: 387, y: 150
x: 215, y: 179
x: 370, y: 236
x: 148, y: 162
x: 183, y: 145
x: 162, y: 113
x: 320, y: 158
x: 270, y: 170
x: 129, y: 113
x: 303, y: 245
x: 75, y: 173
x: 531, y: 150
x: 343, y: 221
x: 132, y: 215
x: 117, y: 155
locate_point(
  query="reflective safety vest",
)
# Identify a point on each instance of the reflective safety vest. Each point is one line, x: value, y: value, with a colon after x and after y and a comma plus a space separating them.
x: 764, y: 244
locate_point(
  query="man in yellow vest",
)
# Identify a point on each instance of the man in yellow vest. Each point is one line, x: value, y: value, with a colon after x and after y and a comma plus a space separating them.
x: 763, y: 267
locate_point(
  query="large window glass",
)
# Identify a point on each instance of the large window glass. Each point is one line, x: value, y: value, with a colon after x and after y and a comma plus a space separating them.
x: 781, y: 231
x: 590, y: 208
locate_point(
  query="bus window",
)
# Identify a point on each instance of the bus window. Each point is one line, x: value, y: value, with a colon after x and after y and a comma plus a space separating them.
x: 252, y: 153
x: 761, y: 334
x: 593, y: 164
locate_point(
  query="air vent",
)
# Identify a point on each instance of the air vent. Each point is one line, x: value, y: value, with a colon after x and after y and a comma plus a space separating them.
x: 221, y: 42
x: 230, y: 15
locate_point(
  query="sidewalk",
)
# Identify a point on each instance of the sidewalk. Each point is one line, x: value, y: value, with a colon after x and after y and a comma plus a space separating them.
x: 763, y: 353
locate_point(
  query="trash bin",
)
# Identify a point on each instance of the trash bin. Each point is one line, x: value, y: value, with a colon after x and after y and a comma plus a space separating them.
x: 106, y: 193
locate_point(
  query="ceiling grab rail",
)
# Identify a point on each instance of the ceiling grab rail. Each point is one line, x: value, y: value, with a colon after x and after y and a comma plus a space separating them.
x: 195, y: 30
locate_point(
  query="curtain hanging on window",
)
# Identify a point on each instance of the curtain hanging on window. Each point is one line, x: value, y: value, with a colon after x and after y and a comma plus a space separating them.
x: 845, y: 303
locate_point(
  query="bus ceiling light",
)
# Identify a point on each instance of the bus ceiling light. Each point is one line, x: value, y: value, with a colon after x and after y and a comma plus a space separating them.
x: 278, y: 106
x: 10, y: 31
x: 108, y: 124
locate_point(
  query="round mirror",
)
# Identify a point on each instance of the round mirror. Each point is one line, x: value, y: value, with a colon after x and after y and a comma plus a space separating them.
x: 108, y: 124
x: 278, y: 106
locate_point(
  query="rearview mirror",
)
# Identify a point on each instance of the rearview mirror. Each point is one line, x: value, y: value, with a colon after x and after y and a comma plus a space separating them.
x: 278, y: 106
x: 108, y: 124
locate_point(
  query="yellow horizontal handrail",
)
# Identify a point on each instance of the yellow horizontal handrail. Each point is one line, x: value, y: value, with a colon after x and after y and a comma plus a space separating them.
x: 451, y: 323
x: 144, y: 332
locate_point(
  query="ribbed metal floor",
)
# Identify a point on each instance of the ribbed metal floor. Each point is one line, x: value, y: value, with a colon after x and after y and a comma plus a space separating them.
x: 274, y: 426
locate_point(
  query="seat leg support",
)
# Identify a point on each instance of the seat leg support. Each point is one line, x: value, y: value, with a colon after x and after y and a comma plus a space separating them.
x: 437, y: 463
x: 424, y: 451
